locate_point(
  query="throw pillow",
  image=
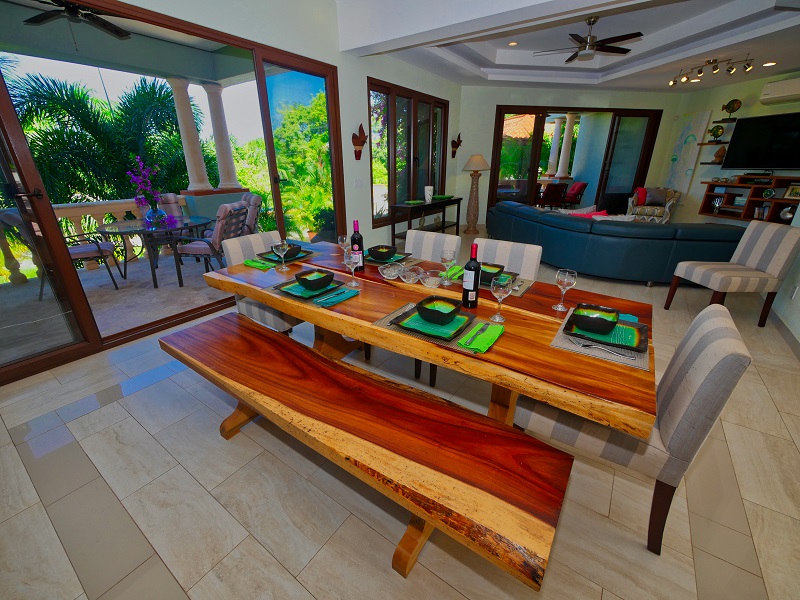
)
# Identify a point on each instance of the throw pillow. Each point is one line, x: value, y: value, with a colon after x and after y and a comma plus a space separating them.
x: 641, y: 196
x: 577, y: 211
x: 656, y: 197
x: 601, y: 213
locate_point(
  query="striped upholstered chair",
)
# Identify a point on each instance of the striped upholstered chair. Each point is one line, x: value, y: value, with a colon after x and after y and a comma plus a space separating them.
x: 514, y: 256
x: 696, y: 385
x: 428, y: 245
x: 241, y: 248
x: 760, y: 263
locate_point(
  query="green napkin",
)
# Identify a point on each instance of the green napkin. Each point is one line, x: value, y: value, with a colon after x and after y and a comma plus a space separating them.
x: 298, y: 290
x: 442, y: 197
x: 455, y: 272
x: 257, y: 263
x: 336, y: 297
x: 484, y: 341
x: 626, y: 317
x: 415, y: 201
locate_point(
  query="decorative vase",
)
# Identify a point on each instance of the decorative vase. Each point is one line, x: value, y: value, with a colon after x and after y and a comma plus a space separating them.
x: 155, y: 218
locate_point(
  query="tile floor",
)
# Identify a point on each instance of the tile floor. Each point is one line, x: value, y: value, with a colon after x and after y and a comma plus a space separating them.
x: 116, y: 484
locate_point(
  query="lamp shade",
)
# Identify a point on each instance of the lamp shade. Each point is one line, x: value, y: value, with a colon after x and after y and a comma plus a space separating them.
x: 476, y: 162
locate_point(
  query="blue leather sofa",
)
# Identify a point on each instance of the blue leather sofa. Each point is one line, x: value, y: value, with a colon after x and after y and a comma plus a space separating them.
x: 635, y: 251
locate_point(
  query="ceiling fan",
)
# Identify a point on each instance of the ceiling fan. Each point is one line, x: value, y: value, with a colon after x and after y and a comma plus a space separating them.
x: 76, y: 14
x: 587, y: 46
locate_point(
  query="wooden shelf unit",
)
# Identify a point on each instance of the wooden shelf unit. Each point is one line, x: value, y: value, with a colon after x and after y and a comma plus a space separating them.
x: 751, y: 188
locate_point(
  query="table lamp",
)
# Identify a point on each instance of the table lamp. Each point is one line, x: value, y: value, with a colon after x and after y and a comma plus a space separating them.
x: 475, y: 164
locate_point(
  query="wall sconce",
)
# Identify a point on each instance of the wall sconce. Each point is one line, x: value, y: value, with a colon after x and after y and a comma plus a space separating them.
x: 454, y: 144
x: 359, y: 139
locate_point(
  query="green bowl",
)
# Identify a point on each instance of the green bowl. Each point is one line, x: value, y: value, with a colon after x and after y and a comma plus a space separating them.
x: 382, y: 252
x: 489, y: 271
x: 314, y: 279
x: 438, y: 309
x: 594, y: 318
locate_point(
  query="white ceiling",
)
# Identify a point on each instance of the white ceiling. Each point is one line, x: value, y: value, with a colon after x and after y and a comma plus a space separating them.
x: 467, y: 40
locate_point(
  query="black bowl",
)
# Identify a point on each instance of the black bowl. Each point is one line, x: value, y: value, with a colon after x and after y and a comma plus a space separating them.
x: 594, y: 318
x: 314, y: 279
x: 438, y: 309
x: 382, y: 252
x: 489, y: 271
x: 294, y: 250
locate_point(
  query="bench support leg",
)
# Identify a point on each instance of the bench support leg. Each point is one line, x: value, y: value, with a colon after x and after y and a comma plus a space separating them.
x: 240, y: 416
x: 332, y: 344
x: 405, y: 556
x: 503, y: 404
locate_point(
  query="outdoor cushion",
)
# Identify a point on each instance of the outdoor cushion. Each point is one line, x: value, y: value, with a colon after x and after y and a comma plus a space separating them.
x: 656, y: 197
x: 90, y: 250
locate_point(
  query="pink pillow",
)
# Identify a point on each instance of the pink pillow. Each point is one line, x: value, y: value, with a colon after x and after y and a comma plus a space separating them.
x: 641, y: 196
x: 601, y: 213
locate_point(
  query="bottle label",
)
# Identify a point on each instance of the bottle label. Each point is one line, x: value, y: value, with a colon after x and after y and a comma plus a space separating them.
x: 472, y: 296
x: 360, y: 256
x: 469, y: 280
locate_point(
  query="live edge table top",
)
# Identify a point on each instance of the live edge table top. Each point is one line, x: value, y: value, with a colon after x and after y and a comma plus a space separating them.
x: 521, y: 360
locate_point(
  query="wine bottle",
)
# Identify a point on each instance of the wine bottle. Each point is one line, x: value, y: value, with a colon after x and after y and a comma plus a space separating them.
x: 357, y: 246
x: 471, y: 280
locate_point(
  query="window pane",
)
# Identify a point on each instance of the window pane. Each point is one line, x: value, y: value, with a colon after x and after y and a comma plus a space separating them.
x: 402, y: 165
x: 438, y: 149
x: 627, y: 150
x: 515, y: 157
x: 422, y: 160
x: 379, y: 154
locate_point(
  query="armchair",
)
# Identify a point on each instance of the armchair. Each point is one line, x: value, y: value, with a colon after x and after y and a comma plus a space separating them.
x: 656, y: 213
x: 231, y: 223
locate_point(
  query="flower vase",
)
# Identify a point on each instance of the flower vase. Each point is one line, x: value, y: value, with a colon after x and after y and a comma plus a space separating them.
x: 155, y: 218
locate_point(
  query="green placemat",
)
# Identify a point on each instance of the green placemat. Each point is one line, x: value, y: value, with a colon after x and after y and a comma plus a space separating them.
x: 621, y: 334
x: 417, y: 323
x: 295, y: 289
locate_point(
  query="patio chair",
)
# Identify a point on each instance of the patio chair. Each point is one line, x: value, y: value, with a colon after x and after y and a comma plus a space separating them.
x: 244, y: 247
x: 574, y: 194
x: 230, y: 223
x: 86, y: 246
x: 698, y: 381
x: 760, y: 263
x: 553, y: 195
x: 253, y: 208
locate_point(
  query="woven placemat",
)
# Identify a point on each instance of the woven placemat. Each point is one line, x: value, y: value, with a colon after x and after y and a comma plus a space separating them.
x: 452, y: 344
x: 638, y: 360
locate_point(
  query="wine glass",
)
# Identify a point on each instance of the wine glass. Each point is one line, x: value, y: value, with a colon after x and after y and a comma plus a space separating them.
x: 448, y: 258
x: 344, y: 242
x: 281, y: 248
x: 501, y: 287
x: 565, y: 279
x: 351, y: 261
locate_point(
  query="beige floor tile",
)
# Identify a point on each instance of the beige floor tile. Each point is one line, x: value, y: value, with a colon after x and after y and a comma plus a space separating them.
x: 751, y: 406
x: 251, y: 572
x: 186, y: 378
x: 16, y: 492
x: 149, y: 581
x: 218, y: 400
x: 711, y: 487
x: 127, y: 456
x: 95, y: 421
x: 604, y: 551
x: 793, y: 425
x: 103, y: 543
x: 716, y: 431
x: 590, y: 484
x: 188, y: 528
x: 610, y: 596
x: 776, y: 539
x: 724, y: 543
x: 195, y: 442
x: 295, y: 454
x: 5, y: 438
x: 767, y: 467
x: 57, y: 464
x: 28, y: 387
x: 783, y: 386
x: 376, y: 510
x: 630, y: 506
x: 719, y: 580
x: 160, y: 405
x: 78, y: 369
x: 474, y: 394
x: 33, y: 564
x: 35, y: 427
x: 357, y: 563
x: 144, y: 362
x: 288, y: 515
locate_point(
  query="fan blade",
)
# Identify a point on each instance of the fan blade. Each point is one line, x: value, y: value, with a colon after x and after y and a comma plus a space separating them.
x: 573, y: 57
x: 553, y: 51
x: 106, y: 26
x: 620, y: 38
x: 45, y: 17
x: 577, y: 38
x: 611, y: 49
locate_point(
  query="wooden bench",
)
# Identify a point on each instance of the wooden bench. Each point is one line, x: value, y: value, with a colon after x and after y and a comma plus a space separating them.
x: 491, y: 487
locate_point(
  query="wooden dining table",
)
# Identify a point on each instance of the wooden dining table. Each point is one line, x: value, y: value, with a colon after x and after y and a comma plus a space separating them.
x: 521, y: 361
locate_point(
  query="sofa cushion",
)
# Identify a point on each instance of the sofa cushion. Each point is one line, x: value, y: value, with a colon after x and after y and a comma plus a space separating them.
x: 554, y: 219
x: 656, y: 197
x: 702, y: 231
x: 589, y: 215
x: 634, y: 229
x: 641, y: 196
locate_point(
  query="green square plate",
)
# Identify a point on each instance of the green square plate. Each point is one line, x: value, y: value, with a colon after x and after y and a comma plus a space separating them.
x: 411, y: 321
x: 627, y: 335
x: 272, y: 257
x: 395, y: 258
x: 298, y: 291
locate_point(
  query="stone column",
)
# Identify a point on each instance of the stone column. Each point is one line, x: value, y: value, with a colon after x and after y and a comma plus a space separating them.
x: 566, y: 147
x: 222, y: 140
x: 190, y: 138
x: 552, y: 162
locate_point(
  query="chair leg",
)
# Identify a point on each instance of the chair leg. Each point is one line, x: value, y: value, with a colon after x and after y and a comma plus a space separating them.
x: 110, y: 274
x: 432, y: 378
x: 662, y: 499
x: 417, y: 368
x: 673, y: 287
x: 367, y: 351
x: 762, y: 320
x: 717, y: 298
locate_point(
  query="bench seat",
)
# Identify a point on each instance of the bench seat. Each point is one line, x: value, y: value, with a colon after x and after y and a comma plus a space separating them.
x: 487, y: 485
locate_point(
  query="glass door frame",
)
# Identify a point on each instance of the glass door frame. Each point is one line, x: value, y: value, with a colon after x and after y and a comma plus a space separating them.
x: 646, y: 154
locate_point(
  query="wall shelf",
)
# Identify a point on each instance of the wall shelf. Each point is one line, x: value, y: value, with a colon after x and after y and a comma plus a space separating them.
x: 751, y: 188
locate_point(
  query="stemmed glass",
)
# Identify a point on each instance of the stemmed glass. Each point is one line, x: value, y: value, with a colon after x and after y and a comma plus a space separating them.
x: 448, y: 258
x: 501, y: 287
x: 344, y: 242
x: 565, y: 279
x: 351, y: 261
x: 281, y: 248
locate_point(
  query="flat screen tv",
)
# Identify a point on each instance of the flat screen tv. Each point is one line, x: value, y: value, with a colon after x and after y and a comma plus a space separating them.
x: 766, y: 143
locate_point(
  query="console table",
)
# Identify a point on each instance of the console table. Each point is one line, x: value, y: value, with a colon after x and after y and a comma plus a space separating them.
x: 408, y: 212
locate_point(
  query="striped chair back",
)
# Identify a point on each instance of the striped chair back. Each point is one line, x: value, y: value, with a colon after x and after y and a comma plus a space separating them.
x: 699, y: 380
x: 170, y: 204
x: 514, y: 256
x: 239, y: 249
x: 768, y: 247
x: 428, y: 245
x: 230, y: 222
x: 253, y: 202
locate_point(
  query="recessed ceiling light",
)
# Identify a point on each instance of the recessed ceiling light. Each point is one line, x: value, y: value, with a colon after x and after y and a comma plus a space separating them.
x: 512, y: 44
x: 769, y: 64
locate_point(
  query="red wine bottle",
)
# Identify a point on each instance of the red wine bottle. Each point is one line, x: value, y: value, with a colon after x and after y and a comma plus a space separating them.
x: 357, y: 246
x: 472, y: 279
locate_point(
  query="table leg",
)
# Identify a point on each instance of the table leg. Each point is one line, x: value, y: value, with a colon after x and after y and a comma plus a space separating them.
x: 240, y: 416
x: 173, y: 244
x: 333, y: 344
x: 407, y: 551
x: 502, y: 405
x: 152, y: 252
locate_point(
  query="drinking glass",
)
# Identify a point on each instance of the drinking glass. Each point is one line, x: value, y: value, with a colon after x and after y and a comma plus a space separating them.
x: 565, y: 279
x: 351, y: 262
x: 501, y: 287
x: 448, y: 259
x: 344, y: 242
x: 281, y: 248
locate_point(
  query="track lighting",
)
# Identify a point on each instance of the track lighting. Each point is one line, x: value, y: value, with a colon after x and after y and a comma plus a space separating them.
x: 715, y: 69
x: 748, y: 67
x: 700, y: 72
x: 695, y: 74
x: 731, y: 69
x: 673, y: 82
x: 684, y: 79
